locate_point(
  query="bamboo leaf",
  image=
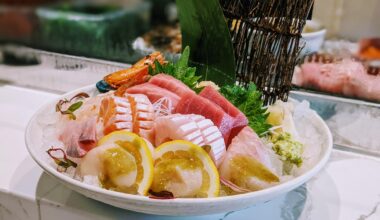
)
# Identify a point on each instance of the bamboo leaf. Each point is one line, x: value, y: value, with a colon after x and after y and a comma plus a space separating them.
x: 205, y: 30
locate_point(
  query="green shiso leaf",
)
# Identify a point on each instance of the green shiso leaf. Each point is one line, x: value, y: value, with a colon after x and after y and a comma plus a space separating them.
x: 179, y: 70
x: 248, y: 100
x: 204, y: 29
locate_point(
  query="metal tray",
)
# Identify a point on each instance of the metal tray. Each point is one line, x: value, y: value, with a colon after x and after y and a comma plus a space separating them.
x: 355, y: 124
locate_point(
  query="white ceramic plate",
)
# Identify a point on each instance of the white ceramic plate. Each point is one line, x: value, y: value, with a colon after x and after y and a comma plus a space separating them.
x: 188, y: 206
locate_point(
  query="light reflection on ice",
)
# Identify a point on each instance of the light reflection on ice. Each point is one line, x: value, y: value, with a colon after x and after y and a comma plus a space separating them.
x: 356, y: 126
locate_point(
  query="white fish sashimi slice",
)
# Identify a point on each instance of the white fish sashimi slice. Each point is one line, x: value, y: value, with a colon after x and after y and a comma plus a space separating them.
x: 194, y: 128
x: 210, y: 130
x: 190, y: 181
x: 198, y: 141
x: 218, y: 150
x: 193, y: 135
x: 213, y: 137
x: 248, y: 145
x: 175, y: 127
x: 188, y: 128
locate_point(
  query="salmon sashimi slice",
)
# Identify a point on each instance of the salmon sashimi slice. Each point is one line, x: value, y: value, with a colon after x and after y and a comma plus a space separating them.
x: 154, y: 93
x: 247, y: 144
x: 194, y: 128
x: 170, y: 83
x: 116, y: 114
x: 195, y: 104
x: 240, y: 120
x: 134, y: 113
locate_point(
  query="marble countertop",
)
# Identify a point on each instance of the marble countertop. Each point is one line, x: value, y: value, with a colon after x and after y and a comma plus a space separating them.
x: 347, y: 188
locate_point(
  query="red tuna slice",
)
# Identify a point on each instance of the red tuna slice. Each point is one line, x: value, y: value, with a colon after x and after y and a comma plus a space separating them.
x: 240, y: 120
x: 195, y: 104
x: 154, y: 93
x: 213, y: 95
x: 170, y: 83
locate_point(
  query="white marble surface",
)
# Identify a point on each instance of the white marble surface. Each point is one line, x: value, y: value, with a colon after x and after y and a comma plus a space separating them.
x: 348, y: 188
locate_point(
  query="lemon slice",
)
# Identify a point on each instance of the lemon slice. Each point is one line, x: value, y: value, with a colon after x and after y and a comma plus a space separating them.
x: 122, y: 162
x: 184, y: 169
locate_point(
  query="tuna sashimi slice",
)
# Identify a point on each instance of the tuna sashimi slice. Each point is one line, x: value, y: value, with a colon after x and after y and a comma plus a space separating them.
x: 248, y: 149
x: 154, y: 93
x: 170, y: 83
x: 213, y: 95
x: 240, y: 120
x: 195, y: 104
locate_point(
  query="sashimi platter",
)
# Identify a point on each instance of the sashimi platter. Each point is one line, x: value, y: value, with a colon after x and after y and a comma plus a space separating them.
x: 155, y: 138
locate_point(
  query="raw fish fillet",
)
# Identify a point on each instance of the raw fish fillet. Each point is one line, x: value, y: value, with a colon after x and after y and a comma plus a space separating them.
x: 195, y: 104
x: 133, y: 113
x: 154, y: 93
x: 82, y: 134
x: 248, y: 144
x: 70, y: 138
x: 194, y: 128
x: 170, y: 83
x: 240, y: 120
x: 346, y: 77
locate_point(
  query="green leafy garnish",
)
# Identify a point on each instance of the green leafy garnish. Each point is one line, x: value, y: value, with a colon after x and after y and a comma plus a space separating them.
x: 179, y: 70
x: 248, y: 100
x: 73, y: 107
x: 63, y: 162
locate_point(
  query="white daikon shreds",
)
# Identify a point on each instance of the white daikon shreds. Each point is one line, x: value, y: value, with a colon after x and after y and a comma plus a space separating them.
x: 163, y: 107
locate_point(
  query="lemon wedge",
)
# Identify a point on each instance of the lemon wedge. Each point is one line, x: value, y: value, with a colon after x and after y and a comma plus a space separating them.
x: 122, y: 162
x: 185, y: 170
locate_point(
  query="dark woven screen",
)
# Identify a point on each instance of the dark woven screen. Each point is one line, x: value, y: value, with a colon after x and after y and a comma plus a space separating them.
x: 266, y: 39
